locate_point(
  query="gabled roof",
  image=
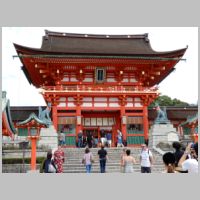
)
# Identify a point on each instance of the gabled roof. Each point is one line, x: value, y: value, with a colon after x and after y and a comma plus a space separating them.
x: 31, y: 117
x: 57, y: 43
x: 190, y: 119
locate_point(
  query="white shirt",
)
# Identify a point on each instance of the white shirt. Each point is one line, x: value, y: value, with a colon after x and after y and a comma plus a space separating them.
x: 145, y: 160
x: 191, y: 165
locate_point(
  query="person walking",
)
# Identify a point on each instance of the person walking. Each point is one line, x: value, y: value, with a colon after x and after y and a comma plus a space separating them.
x: 88, y: 160
x: 103, y: 139
x: 80, y: 139
x: 119, y: 139
x: 59, y: 159
x: 61, y: 138
x: 89, y: 139
x: 122, y: 159
x: 128, y: 162
x: 49, y: 164
x: 109, y: 139
x: 102, y: 159
x: 146, y: 159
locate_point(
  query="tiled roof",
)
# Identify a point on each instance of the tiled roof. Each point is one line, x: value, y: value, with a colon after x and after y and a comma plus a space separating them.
x: 90, y: 44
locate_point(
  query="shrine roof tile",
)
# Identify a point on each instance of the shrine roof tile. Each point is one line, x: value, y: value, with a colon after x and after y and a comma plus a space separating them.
x: 89, y: 44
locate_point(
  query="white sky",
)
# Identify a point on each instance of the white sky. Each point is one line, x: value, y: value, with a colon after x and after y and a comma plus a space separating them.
x: 181, y: 84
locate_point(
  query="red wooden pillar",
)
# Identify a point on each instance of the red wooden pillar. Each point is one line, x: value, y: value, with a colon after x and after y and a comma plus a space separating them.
x: 123, y: 121
x: 78, y: 122
x: 33, y: 153
x: 55, y: 117
x: 192, y: 133
x: 145, y: 122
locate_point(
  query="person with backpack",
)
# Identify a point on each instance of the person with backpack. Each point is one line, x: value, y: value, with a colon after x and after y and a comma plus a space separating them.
x: 146, y: 159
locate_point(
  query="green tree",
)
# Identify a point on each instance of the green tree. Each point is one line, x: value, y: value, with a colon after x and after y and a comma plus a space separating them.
x: 165, y: 100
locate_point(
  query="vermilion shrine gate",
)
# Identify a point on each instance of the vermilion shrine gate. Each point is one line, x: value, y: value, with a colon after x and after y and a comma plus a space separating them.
x: 96, y: 82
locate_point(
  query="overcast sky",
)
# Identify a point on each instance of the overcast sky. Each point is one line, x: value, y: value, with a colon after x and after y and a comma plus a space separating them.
x: 181, y: 84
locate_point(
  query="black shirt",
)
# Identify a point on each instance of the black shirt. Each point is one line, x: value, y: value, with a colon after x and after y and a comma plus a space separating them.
x: 102, y: 153
x: 89, y: 137
x: 178, y: 154
x: 102, y: 133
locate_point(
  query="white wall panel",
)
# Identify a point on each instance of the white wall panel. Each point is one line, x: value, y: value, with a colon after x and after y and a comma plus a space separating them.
x: 113, y: 105
x: 62, y: 105
x: 87, y: 105
x: 100, y: 104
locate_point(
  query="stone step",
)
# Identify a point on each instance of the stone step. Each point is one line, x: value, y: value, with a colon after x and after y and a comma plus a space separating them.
x: 73, y: 160
x: 109, y: 171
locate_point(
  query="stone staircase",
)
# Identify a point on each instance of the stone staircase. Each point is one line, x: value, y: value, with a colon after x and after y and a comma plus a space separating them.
x: 73, y: 158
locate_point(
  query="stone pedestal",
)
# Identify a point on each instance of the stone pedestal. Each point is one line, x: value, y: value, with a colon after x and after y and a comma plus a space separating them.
x: 165, y: 133
x: 49, y: 137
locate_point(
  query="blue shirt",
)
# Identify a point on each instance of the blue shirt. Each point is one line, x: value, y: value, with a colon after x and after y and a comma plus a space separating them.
x: 108, y: 136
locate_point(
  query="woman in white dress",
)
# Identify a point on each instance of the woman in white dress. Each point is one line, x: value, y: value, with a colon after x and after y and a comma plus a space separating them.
x: 128, y: 162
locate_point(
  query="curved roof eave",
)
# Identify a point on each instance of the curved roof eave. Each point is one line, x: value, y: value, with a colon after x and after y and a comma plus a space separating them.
x: 31, y: 117
x: 39, y: 52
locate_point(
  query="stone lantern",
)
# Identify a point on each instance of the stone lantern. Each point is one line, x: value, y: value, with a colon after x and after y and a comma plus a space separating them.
x: 34, y: 125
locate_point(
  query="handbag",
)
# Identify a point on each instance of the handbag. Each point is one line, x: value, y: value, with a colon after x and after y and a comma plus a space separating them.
x: 51, y: 168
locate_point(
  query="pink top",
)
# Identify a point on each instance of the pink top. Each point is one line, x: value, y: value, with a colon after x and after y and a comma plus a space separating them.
x: 88, y: 157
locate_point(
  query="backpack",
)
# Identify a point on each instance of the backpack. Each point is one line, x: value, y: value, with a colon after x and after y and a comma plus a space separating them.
x: 150, y: 157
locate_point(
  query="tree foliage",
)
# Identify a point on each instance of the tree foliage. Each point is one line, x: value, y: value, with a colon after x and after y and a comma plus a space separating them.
x: 165, y: 100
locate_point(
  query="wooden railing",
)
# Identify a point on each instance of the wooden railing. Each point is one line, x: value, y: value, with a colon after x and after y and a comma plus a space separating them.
x: 85, y: 88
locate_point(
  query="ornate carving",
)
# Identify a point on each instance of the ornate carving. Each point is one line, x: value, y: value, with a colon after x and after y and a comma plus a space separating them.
x: 161, y: 116
x: 44, y: 114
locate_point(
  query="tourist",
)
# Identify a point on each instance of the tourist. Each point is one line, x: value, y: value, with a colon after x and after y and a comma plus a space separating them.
x: 89, y: 139
x: 128, y: 162
x: 178, y: 152
x: 189, y: 160
x: 59, y: 159
x: 102, y: 159
x: 119, y: 139
x: 84, y: 141
x: 146, y: 159
x: 61, y: 138
x: 88, y: 160
x: 95, y: 142
x: 109, y: 139
x: 49, y: 164
x: 169, y: 161
x: 103, y: 139
x: 80, y: 139
x: 122, y: 159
